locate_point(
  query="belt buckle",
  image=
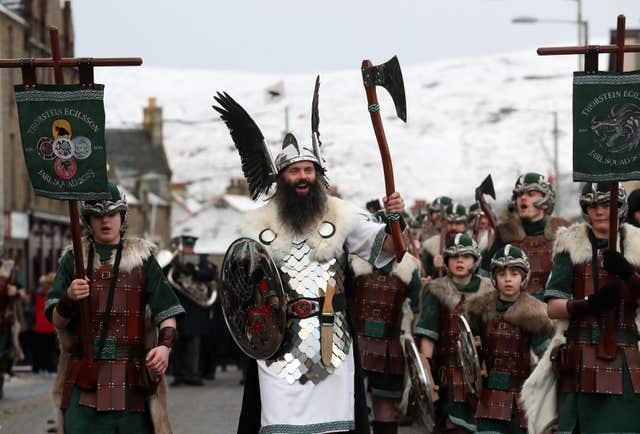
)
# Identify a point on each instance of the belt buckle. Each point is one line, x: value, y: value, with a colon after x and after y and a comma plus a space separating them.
x: 302, y: 308
x: 327, y: 319
x: 105, y: 275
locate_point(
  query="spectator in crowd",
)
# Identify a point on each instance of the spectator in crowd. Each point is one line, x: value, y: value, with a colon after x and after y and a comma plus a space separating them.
x: 45, y: 350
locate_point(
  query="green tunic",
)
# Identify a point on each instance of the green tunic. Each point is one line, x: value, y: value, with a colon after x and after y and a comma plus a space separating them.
x: 459, y: 414
x: 591, y: 413
x: 163, y: 304
x: 539, y: 343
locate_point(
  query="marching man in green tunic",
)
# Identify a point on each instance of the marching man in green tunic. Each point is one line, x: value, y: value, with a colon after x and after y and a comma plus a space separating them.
x: 513, y: 325
x: 589, y: 282
x: 455, y: 221
x: 132, y: 325
x: 530, y: 227
x: 437, y: 329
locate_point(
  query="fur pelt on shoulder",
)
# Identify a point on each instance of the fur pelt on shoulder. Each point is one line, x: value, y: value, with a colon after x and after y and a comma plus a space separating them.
x: 403, y: 270
x: 432, y: 245
x: 447, y: 293
x: 539, y: 392
x: 134, y: 252
x: 157, y: 401
x: 343, y: 215
x: 511, y: 229
x: 527, y: 312
x: 574, y: 240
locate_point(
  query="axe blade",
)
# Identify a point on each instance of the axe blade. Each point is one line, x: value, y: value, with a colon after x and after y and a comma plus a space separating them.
x: 486, y: 187
x: 389, y: 76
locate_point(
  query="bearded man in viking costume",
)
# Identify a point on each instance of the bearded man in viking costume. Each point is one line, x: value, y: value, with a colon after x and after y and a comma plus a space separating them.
x: 435, y: 217
x: 530, y: 227
x: 598, y: 389
x: 379, y: 296
x: 308, y: 234
x: 130, y: 300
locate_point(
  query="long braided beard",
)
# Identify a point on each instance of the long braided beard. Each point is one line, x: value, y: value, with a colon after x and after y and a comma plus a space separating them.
x: 299, y: 211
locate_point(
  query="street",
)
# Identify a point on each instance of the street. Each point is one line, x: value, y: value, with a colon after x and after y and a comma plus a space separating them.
x: 211, y: 409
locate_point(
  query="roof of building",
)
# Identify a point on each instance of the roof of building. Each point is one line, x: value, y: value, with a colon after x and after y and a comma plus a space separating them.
x: 132, y: 154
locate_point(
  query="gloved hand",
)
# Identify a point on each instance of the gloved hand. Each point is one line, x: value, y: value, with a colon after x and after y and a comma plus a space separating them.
x: 606, y: 297
x: 603, y: 300
x: 616, y: 264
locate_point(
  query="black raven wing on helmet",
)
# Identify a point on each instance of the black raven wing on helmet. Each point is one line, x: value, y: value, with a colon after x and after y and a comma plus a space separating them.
x: 257, y: 163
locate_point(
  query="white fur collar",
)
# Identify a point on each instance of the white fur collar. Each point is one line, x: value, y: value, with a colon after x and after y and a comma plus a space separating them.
x: 575, y: 241
x: 341, y: 214
x: 134, y: 252
x: 432, y: 245
x: 403, y: 270
x: 447, y: 293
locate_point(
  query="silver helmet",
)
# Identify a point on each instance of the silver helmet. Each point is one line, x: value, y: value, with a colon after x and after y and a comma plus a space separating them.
x: 117, y: 202
x: 462, y: 244
x: 535, y: 182
x: 510, y: 256
x: 594, y: 193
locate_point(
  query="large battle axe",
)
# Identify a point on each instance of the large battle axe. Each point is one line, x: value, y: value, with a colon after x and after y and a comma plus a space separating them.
x: 486, y: 187
x: 389, y: 76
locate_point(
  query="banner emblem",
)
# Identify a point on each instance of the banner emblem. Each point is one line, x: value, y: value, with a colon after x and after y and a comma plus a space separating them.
x: 606, y: 119
x: 63, y: 140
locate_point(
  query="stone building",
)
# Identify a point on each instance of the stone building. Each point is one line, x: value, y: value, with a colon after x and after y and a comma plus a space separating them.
x: 35, y: 229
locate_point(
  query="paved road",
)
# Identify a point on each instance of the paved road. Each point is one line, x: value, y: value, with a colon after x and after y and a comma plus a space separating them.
x: 211, y: 409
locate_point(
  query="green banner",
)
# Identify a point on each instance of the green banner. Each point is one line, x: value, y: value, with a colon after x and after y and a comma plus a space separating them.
x: 62, y: 129
x: 606, y: 126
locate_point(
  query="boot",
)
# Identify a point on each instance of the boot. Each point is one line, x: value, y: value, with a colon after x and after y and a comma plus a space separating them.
x: 384, y: 427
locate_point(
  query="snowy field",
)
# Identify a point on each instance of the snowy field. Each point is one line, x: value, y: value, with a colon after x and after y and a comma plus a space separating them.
x: 466, y: 118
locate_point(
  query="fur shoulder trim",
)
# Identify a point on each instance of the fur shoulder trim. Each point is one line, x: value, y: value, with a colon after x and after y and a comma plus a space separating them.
x: 573, y: 240
x: 446, y: 292
x: 484, y: 307
x: 343, y: 215
x: 432, y: 245
x: 359, y: 266
x: 511, y: 229
x: 134, y: 253
x: 552, y: 226
x: 403, y: 270
x: 530, y: 314
x: 631, y: 243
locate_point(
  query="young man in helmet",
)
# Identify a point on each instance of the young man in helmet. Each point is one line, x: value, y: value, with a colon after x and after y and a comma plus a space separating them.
x: 379, y: 296
x: 513, y: 325
x: 455, y: 220
x: 127, y: 392
x: 437, y: 330
x: 435, y: 218
x: 599, y: 392
x: 530, y: 227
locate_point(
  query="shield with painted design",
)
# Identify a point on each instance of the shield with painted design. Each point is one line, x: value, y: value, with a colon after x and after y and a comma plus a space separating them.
x: 468, y: 356
x: 422, y: 387
x: 253, y: 299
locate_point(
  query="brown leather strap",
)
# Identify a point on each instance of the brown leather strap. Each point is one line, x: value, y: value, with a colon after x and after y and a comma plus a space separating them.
x: 167, y: 336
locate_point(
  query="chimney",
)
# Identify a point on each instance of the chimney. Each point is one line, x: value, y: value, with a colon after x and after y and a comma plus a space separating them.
x: 152, y: 122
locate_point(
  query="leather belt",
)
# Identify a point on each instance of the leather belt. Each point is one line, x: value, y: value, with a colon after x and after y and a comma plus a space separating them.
x: 308, y: 307
x: 590, y: 336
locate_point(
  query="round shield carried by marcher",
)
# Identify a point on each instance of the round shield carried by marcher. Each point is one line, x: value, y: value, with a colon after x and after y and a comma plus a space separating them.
x: 468, y: 356
x: 253, y: 299
x: 422, y: 387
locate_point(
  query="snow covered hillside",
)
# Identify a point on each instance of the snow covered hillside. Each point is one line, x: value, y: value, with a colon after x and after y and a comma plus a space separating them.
x: 466, y: 118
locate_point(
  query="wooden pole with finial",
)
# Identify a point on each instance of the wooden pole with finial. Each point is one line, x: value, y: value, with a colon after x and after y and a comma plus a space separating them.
x: 607, y: 348
x: 88, y: 376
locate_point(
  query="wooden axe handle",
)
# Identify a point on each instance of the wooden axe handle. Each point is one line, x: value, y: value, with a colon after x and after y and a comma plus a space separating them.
x: 376, y: 120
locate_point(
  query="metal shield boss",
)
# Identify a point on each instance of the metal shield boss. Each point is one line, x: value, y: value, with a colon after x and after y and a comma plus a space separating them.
x: 253, y: 299
x: 468, y: 356
x: 421, y: 387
